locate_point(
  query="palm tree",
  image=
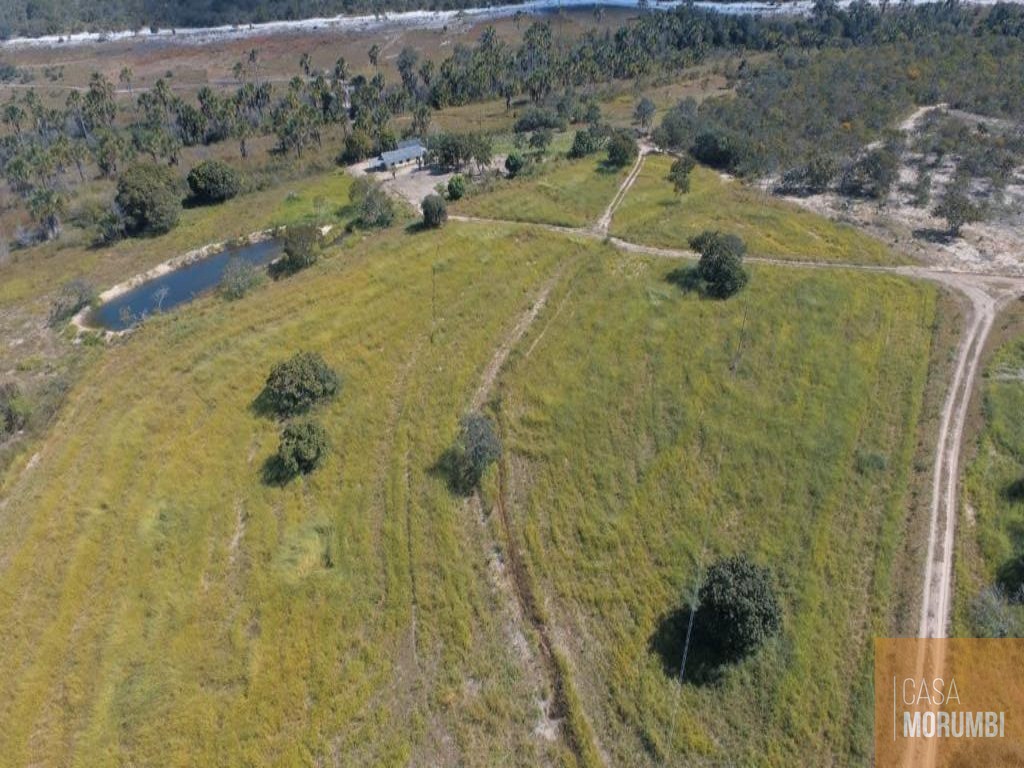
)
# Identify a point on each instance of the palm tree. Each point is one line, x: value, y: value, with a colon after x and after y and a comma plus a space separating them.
x: 125, y: 78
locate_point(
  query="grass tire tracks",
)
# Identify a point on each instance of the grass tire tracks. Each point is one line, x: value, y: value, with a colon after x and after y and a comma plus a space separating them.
x: 986, y: 293
x: 605, y: 222
x: 575, y: 729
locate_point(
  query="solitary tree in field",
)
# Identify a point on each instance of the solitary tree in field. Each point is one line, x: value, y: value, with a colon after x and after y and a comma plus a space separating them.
x: 477, y: 447
x: 303, y: 447
x: 305, y: 63
x: 296, y: 384
x: 720, y: 268
x: 622, y: 149
x: 957, y: 209
x: 644, y: 113
x: 374, y: 54
x: 738, y: 606
x: 679, y: 174
x: 435, y: 212
x: 125, y: 78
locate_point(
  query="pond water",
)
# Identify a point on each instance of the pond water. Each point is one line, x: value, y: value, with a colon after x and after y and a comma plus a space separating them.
x: 178, y: 287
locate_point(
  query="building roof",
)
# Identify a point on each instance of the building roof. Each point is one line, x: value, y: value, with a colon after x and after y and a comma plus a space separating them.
x: 410, y: 151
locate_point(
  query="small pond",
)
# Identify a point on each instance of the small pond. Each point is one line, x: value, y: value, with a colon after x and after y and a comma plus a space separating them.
x: 178, y: 287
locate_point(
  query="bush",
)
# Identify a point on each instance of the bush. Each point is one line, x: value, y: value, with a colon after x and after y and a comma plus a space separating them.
x: 679, y: 174
x: 720, y: 268
x: 148, y: 197
x: 301, y: 249
x: 239, y: 278
x: 435, y: 212
x: 720, y: 149
x: 871, y: 175
x: 992, y: 616
x: 535, y: 119
x: 376, y: 208
x: 14, y: 409
x: 303, y: 447
x: 295, y: 385
x: 213, y: 181
x: 957, y: 209
x: 456, y: 187
x: 811, y: 179
x: 477, y: 447
x: 72, y: 297
x: 622, y: 149
x: 358, y: 146
x: 738, y: 607
x: 514, y: 164
x: 1011, y: 579
x: 586, y: 142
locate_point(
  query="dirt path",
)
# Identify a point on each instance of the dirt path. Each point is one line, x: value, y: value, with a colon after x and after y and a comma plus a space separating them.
x: 986, y: 294
x: 605, y: 222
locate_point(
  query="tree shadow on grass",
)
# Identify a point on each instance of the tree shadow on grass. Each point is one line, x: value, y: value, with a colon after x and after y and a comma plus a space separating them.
x: 705, y: 661
x: 274, y: 474
x: 1014, y: 491
x: 263, y: 405
x: 685, y: 278
x: 449, y: 468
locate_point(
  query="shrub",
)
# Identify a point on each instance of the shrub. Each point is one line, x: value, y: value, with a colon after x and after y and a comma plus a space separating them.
x: 72, y: 297
x: 148, y: 197
x: 514, y: 164
x: 720, y: 268
x: 376, y: 208
x: 298, y: 383
x: 810, y: 179
x: 239, y: 278
x: 456, y: 187
x: 358, y: 146
x: 477, y: 447
x: 871, y: 175
x: 992, y: 615
x: 14, y: 409
x: 303, y: 447
x: 957, y: 209
x: 622, y: 149
x: 721, y: 149
x: 435, y: 212
x: 1011, y: 579
x: 738, y: 607
x: 586, y: 142
x: 213, y: 181
x: 536, y: 118
x: 301, y: 248
x: 679, y: 174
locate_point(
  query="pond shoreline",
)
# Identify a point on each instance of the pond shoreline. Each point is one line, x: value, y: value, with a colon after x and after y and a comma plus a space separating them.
x: 80, y: 320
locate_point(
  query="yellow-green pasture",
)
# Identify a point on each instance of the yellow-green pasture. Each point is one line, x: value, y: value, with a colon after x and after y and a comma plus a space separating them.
x: 653, y: 214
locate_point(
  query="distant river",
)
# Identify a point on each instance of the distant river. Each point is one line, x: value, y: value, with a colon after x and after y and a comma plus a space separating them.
x: 419, y: 19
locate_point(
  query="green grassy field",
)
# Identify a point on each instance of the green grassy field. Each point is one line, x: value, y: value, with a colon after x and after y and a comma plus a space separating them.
x: 159, y: 605
x: 571, y: 193
x: 991, y: 535
x: 653, y: 431
x: 41, y: 269
x: 653, y: 214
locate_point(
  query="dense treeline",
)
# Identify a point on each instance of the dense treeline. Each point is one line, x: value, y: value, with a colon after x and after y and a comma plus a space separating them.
x: 833, y: 81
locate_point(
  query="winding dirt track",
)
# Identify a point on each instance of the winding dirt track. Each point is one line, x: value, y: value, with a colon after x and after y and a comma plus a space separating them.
x: 985, y: 294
